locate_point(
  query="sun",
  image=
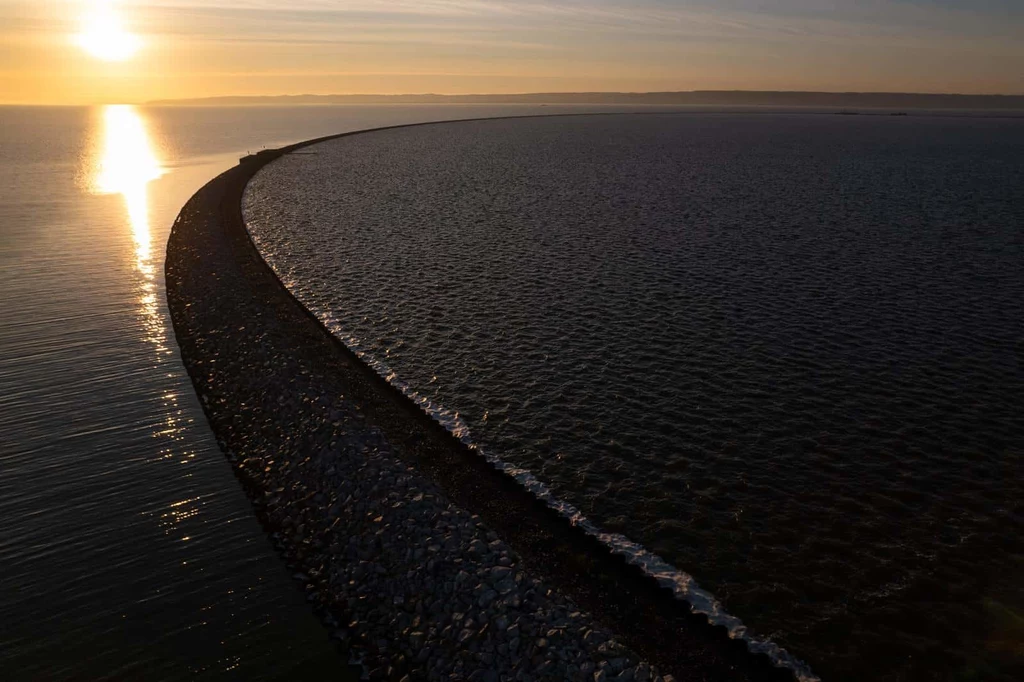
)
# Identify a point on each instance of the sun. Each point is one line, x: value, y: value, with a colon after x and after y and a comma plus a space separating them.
x: 104, y: 37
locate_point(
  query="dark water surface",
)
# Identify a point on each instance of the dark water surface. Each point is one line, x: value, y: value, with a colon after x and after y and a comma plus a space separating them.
x: 127, y: 548
x: 783, y: 351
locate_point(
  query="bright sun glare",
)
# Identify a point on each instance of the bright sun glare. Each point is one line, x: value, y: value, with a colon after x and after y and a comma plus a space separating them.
x: 104, y: 37
x: 126, y: 165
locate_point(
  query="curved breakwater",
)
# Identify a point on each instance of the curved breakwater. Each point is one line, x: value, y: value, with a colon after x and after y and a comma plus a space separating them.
x: 681, y: 584
x: 774, y: 350
x: 295, y: 411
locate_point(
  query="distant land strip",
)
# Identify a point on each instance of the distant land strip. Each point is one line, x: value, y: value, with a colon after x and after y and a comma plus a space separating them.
x: 839, y: 100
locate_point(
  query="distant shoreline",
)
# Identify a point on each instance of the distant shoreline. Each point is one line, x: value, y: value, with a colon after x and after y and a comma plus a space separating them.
x: 741, y: 98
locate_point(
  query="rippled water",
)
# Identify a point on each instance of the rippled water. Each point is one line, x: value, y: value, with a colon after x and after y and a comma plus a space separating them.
x: 127, y: 548
x: 783, y: 351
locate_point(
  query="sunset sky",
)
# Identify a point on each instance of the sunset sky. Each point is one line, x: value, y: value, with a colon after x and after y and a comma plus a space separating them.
x: 88, y: 51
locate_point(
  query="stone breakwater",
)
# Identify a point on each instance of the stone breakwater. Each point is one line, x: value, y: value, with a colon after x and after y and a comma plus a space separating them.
x: 421, y: 560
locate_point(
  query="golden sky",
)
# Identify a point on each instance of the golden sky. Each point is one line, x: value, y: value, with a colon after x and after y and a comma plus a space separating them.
x: 96, y: 51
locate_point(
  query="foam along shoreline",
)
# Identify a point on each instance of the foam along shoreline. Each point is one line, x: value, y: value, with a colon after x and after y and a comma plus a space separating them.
x: 354, y: 478
x: 681, y: 584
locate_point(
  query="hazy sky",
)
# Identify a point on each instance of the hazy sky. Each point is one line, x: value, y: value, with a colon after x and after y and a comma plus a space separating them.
x: 195, y: 48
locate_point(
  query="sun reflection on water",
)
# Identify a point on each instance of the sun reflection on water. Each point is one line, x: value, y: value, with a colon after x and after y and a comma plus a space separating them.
x: 125, y: 163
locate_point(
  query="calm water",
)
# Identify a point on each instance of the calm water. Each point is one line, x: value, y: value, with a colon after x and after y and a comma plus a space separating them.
x: 783, y: 351
x: 127, y: 548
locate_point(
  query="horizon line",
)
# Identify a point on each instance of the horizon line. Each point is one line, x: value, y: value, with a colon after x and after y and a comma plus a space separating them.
x: 573, y: 95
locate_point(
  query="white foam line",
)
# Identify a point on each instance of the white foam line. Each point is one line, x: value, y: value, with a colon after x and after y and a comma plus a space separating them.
x: 682, y: 584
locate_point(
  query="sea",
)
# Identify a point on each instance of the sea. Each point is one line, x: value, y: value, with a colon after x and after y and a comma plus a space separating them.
x: 127, y: 548
x: 782, y: 350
